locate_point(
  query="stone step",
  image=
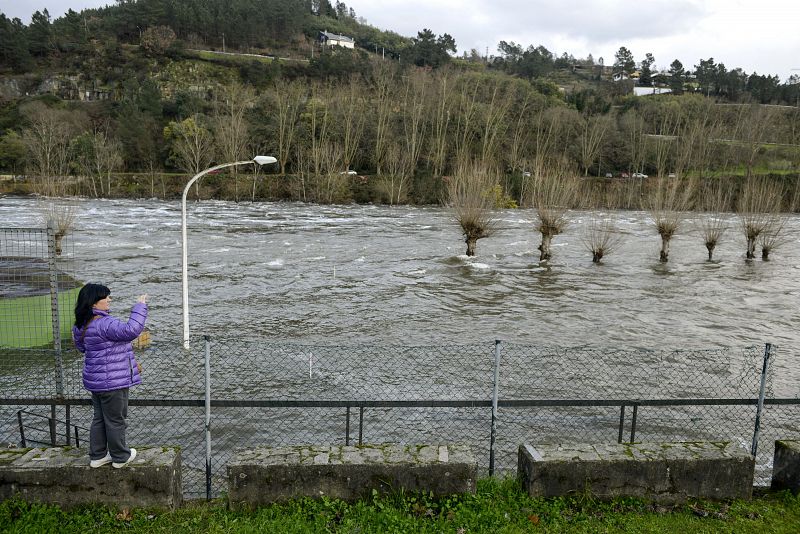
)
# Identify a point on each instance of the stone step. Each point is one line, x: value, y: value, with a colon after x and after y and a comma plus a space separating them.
x: 62, y: 476
x: 265, y: 475
x: 662, y: 472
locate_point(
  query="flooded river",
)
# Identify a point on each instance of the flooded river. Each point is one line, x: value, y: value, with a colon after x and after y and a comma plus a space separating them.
x: 397, y: 275
x: 376, y: 275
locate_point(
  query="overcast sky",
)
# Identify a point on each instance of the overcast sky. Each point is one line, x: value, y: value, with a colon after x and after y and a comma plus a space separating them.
x: 757, y: 35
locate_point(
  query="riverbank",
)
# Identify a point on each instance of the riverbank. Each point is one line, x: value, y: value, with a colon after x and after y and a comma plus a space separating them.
x: 592, y: 192
x: 498, y: 506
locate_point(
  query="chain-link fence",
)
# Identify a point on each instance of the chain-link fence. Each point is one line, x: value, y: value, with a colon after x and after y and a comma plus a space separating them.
x: 232, y: 394
x: 491, y: 396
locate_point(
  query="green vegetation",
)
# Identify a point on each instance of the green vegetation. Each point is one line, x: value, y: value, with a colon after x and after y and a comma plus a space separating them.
x: 126, y: 94
x: 497, y: 507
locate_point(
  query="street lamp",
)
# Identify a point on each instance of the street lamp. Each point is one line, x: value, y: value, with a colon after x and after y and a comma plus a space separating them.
x: 260, y: 160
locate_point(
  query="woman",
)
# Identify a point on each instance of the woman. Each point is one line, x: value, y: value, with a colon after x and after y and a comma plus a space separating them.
x: 109, y: 369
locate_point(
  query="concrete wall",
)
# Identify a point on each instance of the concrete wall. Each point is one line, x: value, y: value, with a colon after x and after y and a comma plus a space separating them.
x: 786, y: 466
x: 62, y: 476
x: 664, y: 472
x: 266, y: 475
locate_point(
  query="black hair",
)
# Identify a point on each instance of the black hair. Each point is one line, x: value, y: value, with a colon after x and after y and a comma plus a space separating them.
x: 88, y: 297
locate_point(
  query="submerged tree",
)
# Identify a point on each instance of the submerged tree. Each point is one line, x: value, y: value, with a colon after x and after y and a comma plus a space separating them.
x: 714, y: 200
x: 668, y: 200
x: 601, y: 237
x: 758, y: 207
x: 61, y: 218
x: 553, y: 194
x: 470, y: 196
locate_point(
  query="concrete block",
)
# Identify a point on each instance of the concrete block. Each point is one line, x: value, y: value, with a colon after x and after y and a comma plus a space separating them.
x: 266, y: 475
x: 786, y: 466
x: 62, y: 476
x: 662, y: 472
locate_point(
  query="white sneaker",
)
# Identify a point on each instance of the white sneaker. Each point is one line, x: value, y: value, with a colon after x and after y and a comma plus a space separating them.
x: 102, y: 461
x: 126, y: 462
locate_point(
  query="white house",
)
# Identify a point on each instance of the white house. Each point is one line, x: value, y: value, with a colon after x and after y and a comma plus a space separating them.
x: 643, y: 91
x: 331, y: 39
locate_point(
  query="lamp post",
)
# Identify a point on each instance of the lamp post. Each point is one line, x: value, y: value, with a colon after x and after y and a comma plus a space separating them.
x: 260, y: 160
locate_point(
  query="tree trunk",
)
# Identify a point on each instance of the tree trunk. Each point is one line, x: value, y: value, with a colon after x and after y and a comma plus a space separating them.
x: 471, y: 242
x: 60, y: 236
x: 751, y: 248
x: 765, y: 253
x: 597, y: 255
x: 664, y: 258
x: 710, y: 247
x: 544, y: 248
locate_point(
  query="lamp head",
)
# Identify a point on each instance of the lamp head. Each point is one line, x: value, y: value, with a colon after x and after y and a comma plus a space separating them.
x: 263, y: 160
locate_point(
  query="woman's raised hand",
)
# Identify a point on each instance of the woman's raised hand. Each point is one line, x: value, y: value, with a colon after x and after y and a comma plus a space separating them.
x: 142, y: 299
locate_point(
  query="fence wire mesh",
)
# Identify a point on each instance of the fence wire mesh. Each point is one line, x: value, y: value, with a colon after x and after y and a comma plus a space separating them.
x: 283, y: 394
x: 267, y: 393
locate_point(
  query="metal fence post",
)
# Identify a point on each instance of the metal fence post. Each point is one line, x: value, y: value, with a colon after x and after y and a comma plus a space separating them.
x: 56, y: 319
x: 761, y: 393
x: 495, y: 392
x: 208, y: 415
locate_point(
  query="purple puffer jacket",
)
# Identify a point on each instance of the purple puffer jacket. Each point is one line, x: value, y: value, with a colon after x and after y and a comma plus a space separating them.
x: 108, y: 362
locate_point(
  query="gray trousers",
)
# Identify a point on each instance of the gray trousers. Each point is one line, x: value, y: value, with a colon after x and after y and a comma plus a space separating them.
x: 107, y: 433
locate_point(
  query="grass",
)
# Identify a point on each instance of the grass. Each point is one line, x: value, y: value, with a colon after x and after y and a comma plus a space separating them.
x: 497, y: 507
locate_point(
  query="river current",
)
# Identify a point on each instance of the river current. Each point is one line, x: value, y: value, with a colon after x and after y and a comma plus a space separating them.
x: 364, y: 274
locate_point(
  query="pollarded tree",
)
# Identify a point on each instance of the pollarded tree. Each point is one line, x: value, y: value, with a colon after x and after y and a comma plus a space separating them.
x: 715, y: 198
x: 668, y: 200
x: 61, y: 217
x: 553, y: 193
x: 758, y: 208
x: 601, y: 237
x: 470, y: 196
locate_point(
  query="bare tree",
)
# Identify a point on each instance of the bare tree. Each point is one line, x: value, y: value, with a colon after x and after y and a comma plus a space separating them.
x: 397, y: 171
x: 465, y: 118
x: 318, y: 128
x: 61, y: 217
x: 773, y: 237
x: 668, y: 200
x: 697, y: 129
x: 470, y: 197
x: 192, y: 145
x: 665, y: 137
x: 288, y: 101
x: 715, y: 198
x: 601, y: 237
x: 106, y: 159
x: 230, y: 125
x: 590, y: 140
x: 47, y: 140
x: 550, y: 128
x: 633, y: 126
x: 384, y: 81
x: 413, y: 119
x: 754, y: 123
x: 350, y: 118
x: 440, y: 135
x: 553, y: 194
x: 758, y: 208
x: 494, y: 121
